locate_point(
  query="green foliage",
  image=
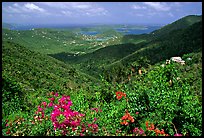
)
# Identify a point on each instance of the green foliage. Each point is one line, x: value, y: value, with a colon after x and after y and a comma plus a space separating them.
x: 168, y: 97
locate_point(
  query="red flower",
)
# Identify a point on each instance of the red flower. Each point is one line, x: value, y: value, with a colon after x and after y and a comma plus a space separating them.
x: 162, y: 131
x: 147, y: 125
x: 52, y: 93
x: 52, y: 99
x: 124, y: 123
x: 157, y: 131
x: 119, y: 95
x: 126, y: 117
x: 8, y: 132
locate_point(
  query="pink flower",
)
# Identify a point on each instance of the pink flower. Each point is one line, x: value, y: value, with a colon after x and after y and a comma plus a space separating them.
x: 52, y: 99
x: 136, y: 130
x: 56, y: 94
x: 95, y: 119
x: 137, y: 113
x: 96, y: 109
x: 81, y: 134
x: 50, y: 104
x: 43, y: 115
x: 44, y: 103
x: 177, y: 134
x: 141, y: 131
x: 40, y: 109
x: 7, y: 125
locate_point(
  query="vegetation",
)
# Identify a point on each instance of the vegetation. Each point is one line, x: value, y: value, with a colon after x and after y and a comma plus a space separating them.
x: 123, y: 89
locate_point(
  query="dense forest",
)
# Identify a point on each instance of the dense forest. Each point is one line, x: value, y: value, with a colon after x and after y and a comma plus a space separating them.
x: 58, y: 82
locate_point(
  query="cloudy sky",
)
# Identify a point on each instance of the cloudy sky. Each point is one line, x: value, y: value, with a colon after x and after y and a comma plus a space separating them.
x: 97, y: 12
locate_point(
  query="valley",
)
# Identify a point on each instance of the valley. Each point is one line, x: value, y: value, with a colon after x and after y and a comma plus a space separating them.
x: 102, y: 72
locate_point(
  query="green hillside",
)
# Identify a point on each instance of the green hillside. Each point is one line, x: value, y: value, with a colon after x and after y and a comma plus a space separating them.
x: 35, y: 74
x: 154, y: 50
x: 52, y: 41
x: 179, y: 24
x: 99, y: 92
x: 176, y: 43
x: 94, y: 62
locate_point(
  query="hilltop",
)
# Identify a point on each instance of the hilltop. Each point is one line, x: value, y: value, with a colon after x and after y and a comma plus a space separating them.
x: 179, y: 24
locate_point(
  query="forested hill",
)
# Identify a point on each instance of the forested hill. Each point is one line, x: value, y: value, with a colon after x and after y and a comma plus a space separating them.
x: 179, y: 24
x: 176, y: 43
x: 32, y: 71
x: 152, y: 49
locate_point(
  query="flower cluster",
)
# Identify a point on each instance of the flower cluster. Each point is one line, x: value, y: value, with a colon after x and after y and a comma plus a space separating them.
x: 93, y: 127
x: 157, y: 131
x: 127, y: 118
x: 119, y: 95
x: 62, y: 116
x: 139, y: 132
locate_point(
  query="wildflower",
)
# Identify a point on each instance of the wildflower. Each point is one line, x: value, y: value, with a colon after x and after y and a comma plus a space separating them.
x: 40, y: 109
x: 136, y: 130
x: 177, y: 134
x: 8, y: 132
x: 52, y: 93
x: 44, y: 104
x: 162, y: 132
x: 157, y: 131
x: 141, y: 131
x: 127, y: 116
x: 119, y: 95
x: 56, y: 94
x: 7, y: 125
x: 81, y: 134
x: 137, y: 113
x: 147, y: 125
x: 52, y: 99
x: 50, y: 104
x: 96, y: 109
x: 124, y: 123
x: 152, y: 126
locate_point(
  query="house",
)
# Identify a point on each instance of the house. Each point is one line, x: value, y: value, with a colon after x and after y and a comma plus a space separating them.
x: 178, y: 60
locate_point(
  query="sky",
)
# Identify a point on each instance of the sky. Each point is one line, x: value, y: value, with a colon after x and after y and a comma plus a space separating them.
x: 97, y: 12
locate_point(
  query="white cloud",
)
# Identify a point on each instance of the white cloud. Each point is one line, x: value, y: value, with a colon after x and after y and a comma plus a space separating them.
x: 32, y: 6
x: 17, y: 8
x: 137, y: 7
x: 77, y: 8
x: 159, y: 6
